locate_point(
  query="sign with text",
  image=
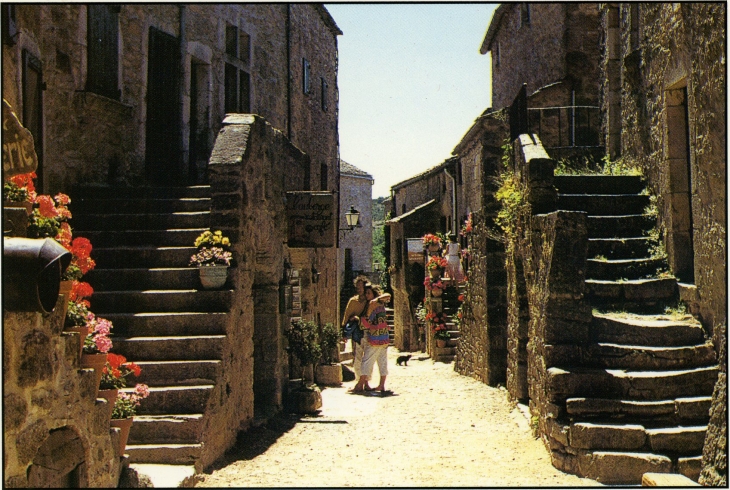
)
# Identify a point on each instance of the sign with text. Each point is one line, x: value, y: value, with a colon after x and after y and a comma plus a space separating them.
x: 312, y: 219
x: 415, y: 250
x: 19, y: 155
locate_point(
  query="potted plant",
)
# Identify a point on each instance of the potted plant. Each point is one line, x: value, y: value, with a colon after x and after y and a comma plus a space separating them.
x: 431, y: 242
x: 96, y: 346
x: 436, y: 265
x: 19, y: 192
x: 114, y: 376
x: 329, y: 370
x: 303, y: 345
x: 78, y: 315
x: 438, y: 327
x: 125, y: 408
x: 212, y: 258
x: 435, y: 286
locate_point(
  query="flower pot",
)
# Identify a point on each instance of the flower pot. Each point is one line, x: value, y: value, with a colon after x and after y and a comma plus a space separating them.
x: 329, y: 374
x: 440, y: 343
x: 436, y: 292
x: 433, y: 247
x: 64, y: 289
x: 110, y: 396
x: 123, y: 425
x: 435, y: 273
x: 83, y: 332
x: 28, y: 206
x: 213, y: 276
x: 95, y: 362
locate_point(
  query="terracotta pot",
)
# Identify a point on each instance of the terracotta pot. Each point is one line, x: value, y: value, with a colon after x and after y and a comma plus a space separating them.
x: 435, y: 273
x: 64, y: 289
x: 83, y: 332
x: 213, y: 276
x: 436, y: 292
x: 440, y: 343
x: 123, y: 425
x: 28, y: 206
x: 111, y: 397
x: 433, y: 248
x: 95, y: 362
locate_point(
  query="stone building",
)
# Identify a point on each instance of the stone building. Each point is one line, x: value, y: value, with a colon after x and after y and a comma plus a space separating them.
x: 135, y: 96
x: 663, y: 99
x: 356, y: 245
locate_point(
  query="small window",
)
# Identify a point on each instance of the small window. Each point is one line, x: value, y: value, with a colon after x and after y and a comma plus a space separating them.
x: 524, y: 14
x: 323, y: 177
x: 102, y: 50
x: 495, y: 53
x: 10, y: 27
x: 244, y: 90
x: 231, y: 89
x: 244, y: 47
x: 634, y: 12
x: 306, y: 68
x: 232, y: 41
x: 324, y: 95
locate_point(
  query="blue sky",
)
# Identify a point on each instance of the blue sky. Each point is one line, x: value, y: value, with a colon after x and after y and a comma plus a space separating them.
x: 411, y: 82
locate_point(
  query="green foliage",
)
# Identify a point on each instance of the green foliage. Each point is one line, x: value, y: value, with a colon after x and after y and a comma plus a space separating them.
x: 329, y: 343
x: 621, y: 166
x: 303, y: 340
x: 652, y: 209
x: 379, y: 216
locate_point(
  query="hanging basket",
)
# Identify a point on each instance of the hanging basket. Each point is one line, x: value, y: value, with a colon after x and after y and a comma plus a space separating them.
x: 213, y: 276
x: 123, y: 425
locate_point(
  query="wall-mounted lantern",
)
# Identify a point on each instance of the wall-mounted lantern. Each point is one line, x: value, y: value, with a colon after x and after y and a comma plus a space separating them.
x: 352, y: 217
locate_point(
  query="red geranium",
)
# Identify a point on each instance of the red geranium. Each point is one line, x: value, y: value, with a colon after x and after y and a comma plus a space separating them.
x: 80, y: 290
x: 116, y: 371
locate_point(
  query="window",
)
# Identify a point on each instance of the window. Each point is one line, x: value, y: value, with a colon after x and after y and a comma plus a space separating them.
x: 237, y: 77
x: 324, y: 95
x: 524, y: 14
x: 323, y: 177
x: 102, y: 50
x: 306, y: 68
x: 634, y: 13
x: 10, y: 27
x: 495, y: 53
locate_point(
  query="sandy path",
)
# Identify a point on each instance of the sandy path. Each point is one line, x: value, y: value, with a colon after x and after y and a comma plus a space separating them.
x: 438, y: 429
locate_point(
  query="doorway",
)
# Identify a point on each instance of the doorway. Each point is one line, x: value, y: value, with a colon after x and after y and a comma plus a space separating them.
x: 163, y: 152
x: 33, y: 108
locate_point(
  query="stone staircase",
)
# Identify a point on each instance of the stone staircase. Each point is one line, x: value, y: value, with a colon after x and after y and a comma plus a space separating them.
x: 638, y: 398
x: 451, y: 305
x: 143, y: 239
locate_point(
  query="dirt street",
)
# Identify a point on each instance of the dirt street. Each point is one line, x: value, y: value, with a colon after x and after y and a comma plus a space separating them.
x: 437, y: 429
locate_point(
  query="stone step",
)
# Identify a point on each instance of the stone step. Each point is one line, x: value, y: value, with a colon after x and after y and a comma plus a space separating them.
x: 167, y: 324
x: 638, y: 357
x: 140, y: 257
x: 604, y: 204
x: 165, y: 429
x: 635, y: 437
x: 677, y: 411
x: 171, y: 454
x: 166, y: 400
x: 158, y: 238
x: 114, y: 205
x: 616, y: 467
x: 629, y: 226
x: 165, y: 221
x: 178, y: 373
x: 633, y: 295
x: 619, y: 248
x: 161, y: 301
x: 170, y: 348
x: 651, y: 330
x: 564, y: 383
x: 104, y: 192
x: 599, y: 184
x: 612, y: 270
x: 144, y: 279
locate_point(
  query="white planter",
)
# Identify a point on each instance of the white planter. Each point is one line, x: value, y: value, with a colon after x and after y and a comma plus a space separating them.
x: 329, y: 374
x: 213, y: 276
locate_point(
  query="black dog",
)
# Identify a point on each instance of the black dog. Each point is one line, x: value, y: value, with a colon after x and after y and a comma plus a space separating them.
x: 403, y: 360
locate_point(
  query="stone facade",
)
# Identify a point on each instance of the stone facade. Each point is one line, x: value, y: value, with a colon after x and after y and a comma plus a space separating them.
x: 56, y: 432
x: 357, y: 244
x: 664, y: 90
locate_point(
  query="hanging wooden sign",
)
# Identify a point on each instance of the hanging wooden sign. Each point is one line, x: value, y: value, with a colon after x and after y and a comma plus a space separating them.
x: 19, y: 155
x: 311, y: 218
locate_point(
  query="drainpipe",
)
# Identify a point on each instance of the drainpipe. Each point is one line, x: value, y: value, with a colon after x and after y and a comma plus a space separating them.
x: 288, y: 71
x: 453, y: 200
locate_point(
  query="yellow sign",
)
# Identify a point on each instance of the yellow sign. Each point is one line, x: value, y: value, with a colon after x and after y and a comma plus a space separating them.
x: 19, y: 155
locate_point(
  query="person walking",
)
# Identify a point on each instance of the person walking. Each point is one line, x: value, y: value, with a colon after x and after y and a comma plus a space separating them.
x: 377, y: 339
x: 452, y: 252
x: 356, y: 307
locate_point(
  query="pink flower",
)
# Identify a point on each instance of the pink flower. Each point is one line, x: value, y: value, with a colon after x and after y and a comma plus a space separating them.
x: 102, y: 342
x: 142, y: 390
x: 62, y: 199
x: 103, y: 326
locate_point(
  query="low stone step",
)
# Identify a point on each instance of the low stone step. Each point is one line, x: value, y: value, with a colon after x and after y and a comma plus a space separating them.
x: 159, y: 238
x: 159, y: 221
x: 619, y: 248
x: 165, y: 400
x: 161, y: 301
x: 95, y: 192
x: 564, y: 383
x: 635, y: 437
x: 667, y: 480
x: 651, y: 330
x: 612, y: 270
x: 178, y: 454
x: 677, y: 410
x: 140, y: 257
x: 678, y: 440
x: 178, y: 373
x: 616, y: 467
x: 164, y: 429
x: 599, y: 184
x: 167, y: 324
x: 144, y: 279
x: 639, y: 357
x: 170, y: 348
x: 604, y: 204
x: 633, y: 294
x: 114, y: 205
x: 633, y: 225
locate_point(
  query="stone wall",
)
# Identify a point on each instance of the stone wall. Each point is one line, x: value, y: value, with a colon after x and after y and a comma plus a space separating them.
x: 251, y: 168
x: 55, y: 431
x: 356, y: 191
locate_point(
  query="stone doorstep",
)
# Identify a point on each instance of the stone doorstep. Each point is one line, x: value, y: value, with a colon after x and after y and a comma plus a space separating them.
x: 684, y: 408
x: 168, y: 454
x: 611, y: 467
x: 687, y: 440
x: 667, y: 480
x: 165, y: 475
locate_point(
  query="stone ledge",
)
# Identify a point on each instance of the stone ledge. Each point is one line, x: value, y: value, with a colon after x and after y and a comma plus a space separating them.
x: 666, y: 480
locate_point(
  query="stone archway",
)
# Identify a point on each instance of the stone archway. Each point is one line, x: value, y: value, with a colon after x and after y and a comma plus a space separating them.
x: 59, y: 462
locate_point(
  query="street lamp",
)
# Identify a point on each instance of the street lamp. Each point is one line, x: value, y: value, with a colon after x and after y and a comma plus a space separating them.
x: 352, y: 217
